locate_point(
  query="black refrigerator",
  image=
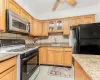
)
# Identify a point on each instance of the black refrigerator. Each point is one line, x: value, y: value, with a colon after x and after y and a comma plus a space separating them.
x: 87, y: 37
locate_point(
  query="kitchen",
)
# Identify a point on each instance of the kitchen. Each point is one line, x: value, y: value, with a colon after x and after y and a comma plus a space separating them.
x: 36, y: 42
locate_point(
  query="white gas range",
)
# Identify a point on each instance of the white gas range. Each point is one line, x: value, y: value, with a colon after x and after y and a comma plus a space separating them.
x: 27, y: 60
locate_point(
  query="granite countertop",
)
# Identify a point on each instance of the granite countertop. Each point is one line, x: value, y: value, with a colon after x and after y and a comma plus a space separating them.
x: 48, y: 45
x: 90, y: 63
x: 6, y: 56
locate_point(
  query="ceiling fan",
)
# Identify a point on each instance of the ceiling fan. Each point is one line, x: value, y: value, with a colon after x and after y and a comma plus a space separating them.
x: 70, y: 2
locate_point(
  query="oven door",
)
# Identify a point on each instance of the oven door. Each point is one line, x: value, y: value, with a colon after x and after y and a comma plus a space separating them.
x: 29, y: 65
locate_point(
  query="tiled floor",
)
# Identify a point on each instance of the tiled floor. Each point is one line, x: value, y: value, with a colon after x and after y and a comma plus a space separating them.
x: 43, y: 75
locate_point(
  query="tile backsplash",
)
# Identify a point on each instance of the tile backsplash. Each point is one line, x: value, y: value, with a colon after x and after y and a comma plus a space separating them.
x: 54, y: 38
x: 57, y: 38
x: 28, y: 40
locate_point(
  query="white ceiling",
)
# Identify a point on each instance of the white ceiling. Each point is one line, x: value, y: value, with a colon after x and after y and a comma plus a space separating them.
x: 38, y: 7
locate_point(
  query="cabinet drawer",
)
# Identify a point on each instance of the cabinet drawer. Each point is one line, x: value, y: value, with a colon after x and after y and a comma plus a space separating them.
x: 55, y: 49
x: 68, y: 49
x: 7, y: 64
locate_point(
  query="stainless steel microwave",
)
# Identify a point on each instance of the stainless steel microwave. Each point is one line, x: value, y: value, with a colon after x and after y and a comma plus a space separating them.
x: 16, y: 24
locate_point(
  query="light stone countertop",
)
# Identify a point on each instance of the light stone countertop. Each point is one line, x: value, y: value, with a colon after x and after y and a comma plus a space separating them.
x: 90, y: 63
x: 6, y: 56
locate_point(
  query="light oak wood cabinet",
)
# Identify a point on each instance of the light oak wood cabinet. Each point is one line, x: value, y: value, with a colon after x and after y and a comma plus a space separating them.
x: 67, y: 58
x: 10, y: 74
x: 42, y: 55
x: 25, y: 15
x: 45, y: 28
x: 8, y: 69
x: 88, y: 19
x: 12, y: 6
x: 50, y: 58
x: 58, y: 57
x: 2, y: 15
x: 79, y: 73
x: 66, y: 27
x: 74, y: 21
x: 55, y: 56
x: 37, y: 29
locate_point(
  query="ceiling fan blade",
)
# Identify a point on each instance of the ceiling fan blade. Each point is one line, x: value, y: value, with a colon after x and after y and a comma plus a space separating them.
x: 55, y: 5
x: 71, y: 2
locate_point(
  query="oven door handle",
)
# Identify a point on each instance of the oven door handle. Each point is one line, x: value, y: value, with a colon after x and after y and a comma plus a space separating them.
x: 27, y: 58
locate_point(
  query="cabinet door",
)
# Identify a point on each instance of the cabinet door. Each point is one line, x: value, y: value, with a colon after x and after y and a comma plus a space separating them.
x: 67, y: 58
x: 2, y: 16
x: 37, y: 28
x: 24, y: 15
x: 10, y: 74
x: 88, y: 19
x: 58, y: 57
x: 11, y: 5
x: 42, y: 55
x: 50, y: 57
x: 74, y: 21
x: 66, y: 27
x: 59, y: 25
x: 52, y: 26
x: 79, y: 73
x: 44, y: 28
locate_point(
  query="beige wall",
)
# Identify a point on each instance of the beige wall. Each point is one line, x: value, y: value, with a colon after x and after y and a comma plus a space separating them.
x: 29, y: 40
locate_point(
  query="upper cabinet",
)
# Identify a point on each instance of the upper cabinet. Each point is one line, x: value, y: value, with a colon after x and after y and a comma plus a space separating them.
x: 25, y: 15
x: 45, y: 28
x: 59, y: 25
x: 37, y: 27
x: 55, y: 25
x: 66, y: 27
x: 51, y: 25
x: 88, y: 19
x: 2, y: 16
x: 12, y: 6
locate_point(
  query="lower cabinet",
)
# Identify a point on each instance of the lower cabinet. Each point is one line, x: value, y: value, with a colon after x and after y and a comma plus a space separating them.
x: 55, y: 56
x: 8, y: 69
x: 10, y: 74
x: 42, y: 55
x: 50, y: 57
x: 67, y: 58
x: 79, y: 73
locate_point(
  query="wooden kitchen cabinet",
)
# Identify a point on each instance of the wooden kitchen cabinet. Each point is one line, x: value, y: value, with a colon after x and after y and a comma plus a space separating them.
x: 37, y: 28
x: 51, y: 58
x: 74, y: 21
x: 8, y: 69
x: 79, y: 73
x: 10, y: 74
x: 66, y: 27
x: 55, y: 56
x: 67, y: 58
x: 24, y: 15
x: 45, y: 28
x: 88, y: 19
x: 13, y: 6
x: 42, y: 55
x: 2, y: 15
x: 58, y: 57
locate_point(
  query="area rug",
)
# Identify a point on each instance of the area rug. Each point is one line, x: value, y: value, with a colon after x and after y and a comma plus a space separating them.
x: 61, y: 72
